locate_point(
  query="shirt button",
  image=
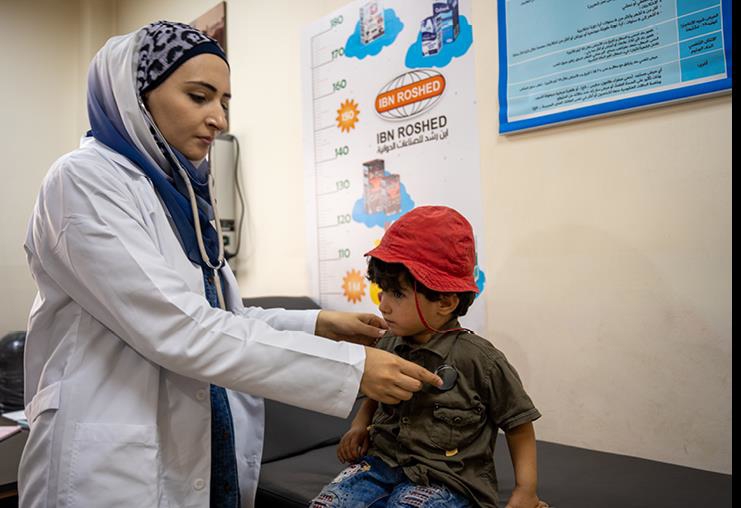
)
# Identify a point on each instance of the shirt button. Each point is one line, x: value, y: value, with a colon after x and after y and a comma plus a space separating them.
x: 405, y: 420
x: 199, y: 483
x: 201, y: 395
x: 457, y: 419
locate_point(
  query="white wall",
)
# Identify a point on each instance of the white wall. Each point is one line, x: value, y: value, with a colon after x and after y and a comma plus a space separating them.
x: 41, y: 107
x: 609, y: 257
x: 47, y: 45
x: 608, y: 241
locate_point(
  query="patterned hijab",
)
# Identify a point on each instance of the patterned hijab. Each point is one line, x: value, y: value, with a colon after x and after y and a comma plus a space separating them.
x: 164, y: 48
x: 125, y: 68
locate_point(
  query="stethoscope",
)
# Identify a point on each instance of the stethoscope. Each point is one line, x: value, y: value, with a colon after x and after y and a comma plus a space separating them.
x: 445, y: 372
x: 449, y: 376
x: 194, y: 208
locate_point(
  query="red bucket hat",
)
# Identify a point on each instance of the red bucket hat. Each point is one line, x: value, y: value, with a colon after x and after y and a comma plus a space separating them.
x: 435, y: 243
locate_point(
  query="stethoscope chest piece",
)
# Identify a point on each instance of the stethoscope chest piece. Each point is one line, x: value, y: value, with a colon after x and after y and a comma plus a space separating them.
x: 449, y: 376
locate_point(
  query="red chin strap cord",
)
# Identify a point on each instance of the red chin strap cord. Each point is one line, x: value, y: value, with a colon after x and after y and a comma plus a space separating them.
x: 424, y: 321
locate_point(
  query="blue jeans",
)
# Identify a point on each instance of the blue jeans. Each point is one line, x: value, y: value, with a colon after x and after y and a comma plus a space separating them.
x: 371, y: 483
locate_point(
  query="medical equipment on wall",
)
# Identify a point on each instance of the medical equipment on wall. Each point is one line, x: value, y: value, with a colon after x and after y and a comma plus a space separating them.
x: 224, y: 158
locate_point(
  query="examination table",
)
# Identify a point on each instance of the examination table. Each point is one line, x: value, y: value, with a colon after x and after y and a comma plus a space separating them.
x: 299, y: 459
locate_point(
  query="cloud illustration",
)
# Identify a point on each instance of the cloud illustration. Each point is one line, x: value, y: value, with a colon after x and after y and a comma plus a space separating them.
x: 355, y: 48
x: 380, y: 219
x: 416, y: 59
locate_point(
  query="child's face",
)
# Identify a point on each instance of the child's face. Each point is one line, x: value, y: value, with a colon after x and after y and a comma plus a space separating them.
x: 400, y: 312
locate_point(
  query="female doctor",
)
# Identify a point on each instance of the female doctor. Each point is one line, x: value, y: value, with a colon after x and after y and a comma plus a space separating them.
x: 144, y: 375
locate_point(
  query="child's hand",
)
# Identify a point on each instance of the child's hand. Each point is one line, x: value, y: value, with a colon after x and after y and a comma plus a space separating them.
x: 522, y: 498
x: 353, y: 444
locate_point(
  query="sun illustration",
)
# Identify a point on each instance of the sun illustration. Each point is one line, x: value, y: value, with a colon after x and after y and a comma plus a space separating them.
x: 353, y: 286
x: 374, y: 290
x: 347, y: 115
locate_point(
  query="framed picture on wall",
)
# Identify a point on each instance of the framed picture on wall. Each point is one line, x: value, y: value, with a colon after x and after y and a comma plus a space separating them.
x: 213, y: 24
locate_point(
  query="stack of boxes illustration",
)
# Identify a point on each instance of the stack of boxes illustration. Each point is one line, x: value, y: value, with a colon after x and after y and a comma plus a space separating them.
x: 371, y: 21
x: 381, y: 191
x: 441, y: 28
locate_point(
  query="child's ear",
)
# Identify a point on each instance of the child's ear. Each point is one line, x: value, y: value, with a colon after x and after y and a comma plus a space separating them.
x: 447, y: 303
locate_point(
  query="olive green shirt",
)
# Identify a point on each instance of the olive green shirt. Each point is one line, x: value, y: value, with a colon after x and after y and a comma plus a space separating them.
x: 449, y: 437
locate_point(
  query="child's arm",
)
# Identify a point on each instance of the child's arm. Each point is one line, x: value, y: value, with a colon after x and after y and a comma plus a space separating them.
x: 354, y: 443
x: 521, y: 442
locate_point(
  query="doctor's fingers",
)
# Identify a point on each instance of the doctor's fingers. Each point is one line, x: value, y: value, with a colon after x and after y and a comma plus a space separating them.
x: 393, y: 376
x: 383, y: 379
x: 368, y: 329
x: 374, y: 321
x: 419, y: 373
x: 389, y: 379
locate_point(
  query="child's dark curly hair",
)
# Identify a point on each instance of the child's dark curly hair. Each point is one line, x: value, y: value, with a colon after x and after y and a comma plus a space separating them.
x: 390, y: 276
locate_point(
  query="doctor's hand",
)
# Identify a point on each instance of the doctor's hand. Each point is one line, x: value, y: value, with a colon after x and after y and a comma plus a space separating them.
x: 361, y: 328
x: 390, y: 379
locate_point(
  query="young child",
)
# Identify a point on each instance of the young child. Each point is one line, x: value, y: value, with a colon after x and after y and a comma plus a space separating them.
x: 436, y: 449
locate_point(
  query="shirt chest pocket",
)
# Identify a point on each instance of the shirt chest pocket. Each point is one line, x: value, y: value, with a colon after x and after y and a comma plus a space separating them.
x: 455, y: 428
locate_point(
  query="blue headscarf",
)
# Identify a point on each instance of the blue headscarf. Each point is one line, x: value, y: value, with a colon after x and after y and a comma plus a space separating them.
x: 123, y: 70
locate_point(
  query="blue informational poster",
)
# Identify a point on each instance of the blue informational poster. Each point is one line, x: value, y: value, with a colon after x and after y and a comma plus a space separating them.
x: 561, y: 61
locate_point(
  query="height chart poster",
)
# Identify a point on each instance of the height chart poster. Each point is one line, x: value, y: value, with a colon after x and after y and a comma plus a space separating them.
x: 561, y: 61
x: 389, y: 124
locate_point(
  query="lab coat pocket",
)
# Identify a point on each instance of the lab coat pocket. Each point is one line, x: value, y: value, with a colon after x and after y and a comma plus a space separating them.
x: 47, y: 399
x: 95, y: 479
x: 455, y: 428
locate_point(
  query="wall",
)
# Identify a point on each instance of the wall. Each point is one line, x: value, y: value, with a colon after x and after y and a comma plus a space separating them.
x: 48, y: 45
x: 41, y: 108
x: 608, y: 241
x: 265, y: 116
x: 609, y: 245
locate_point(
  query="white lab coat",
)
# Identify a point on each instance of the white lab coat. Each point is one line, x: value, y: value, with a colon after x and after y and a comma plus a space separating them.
x: 122, y: 346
